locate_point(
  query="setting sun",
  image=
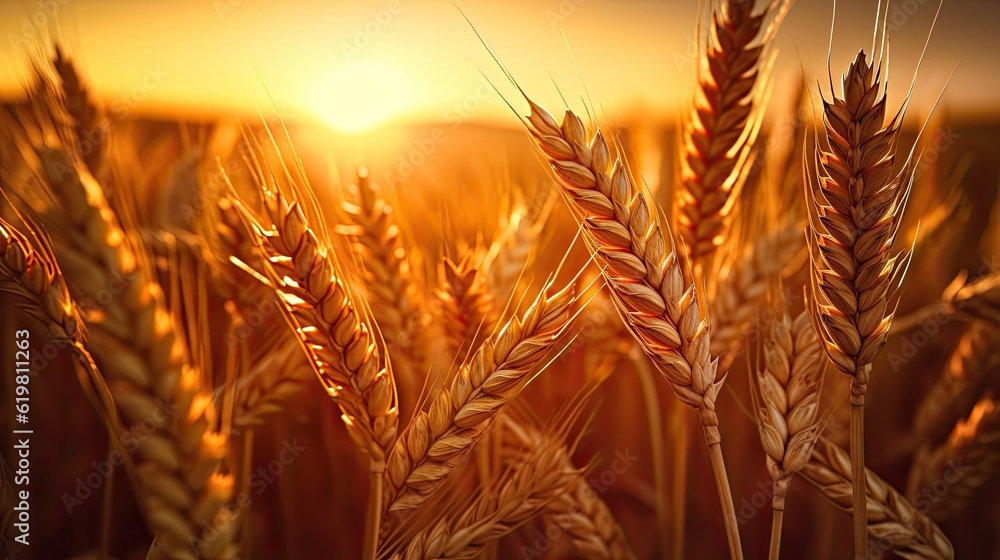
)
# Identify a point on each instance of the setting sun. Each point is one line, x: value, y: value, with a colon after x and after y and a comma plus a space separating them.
x: 357, y: 98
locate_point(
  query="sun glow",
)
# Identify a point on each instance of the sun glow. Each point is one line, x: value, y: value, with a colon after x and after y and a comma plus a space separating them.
x: 358, y: 98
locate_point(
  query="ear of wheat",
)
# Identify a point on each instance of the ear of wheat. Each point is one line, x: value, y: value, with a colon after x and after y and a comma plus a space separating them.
x: 440, y: 439
x: 856, y: 200
x: 893, y: 522
x: 28, y: 269
x: 516, y: 248
x: 537, y: 477
x: 960, y: 384
x: 655, y: 300
x: 465, y: 302
x: 392, y: 291
x: 86, y: 115
x: 789, y: 390
x: 144, y: 359
x: 954, y: 393
x: 722, y: 126
x: 746, y: 283
x: 969, y: 459
x: 338, y: 340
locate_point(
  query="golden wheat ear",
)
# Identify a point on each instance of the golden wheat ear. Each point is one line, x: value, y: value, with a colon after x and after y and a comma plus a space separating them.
x: 180, y: 484
x: 971, y: 457
x: 787, y: 399
x: 440, y: 439
x: 649, y: 284
x: 86, y: 115
x: 855, y: 198
x: 722, y: 126
x: 393, y: 289
x: 29, y: 271
x: 893, y: 521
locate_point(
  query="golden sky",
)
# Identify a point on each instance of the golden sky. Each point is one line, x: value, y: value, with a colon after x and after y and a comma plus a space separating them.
x: 357, y: 64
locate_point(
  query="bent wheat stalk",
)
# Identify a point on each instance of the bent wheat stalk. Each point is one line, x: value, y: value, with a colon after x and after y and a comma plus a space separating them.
x: 856, y: 202
x: 440, y: 439
x: 893, y: 523
x: 651, y: 294
x: 788, y: 392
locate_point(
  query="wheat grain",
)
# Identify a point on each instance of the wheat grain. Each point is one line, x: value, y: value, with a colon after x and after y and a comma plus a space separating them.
x: 893, y: 522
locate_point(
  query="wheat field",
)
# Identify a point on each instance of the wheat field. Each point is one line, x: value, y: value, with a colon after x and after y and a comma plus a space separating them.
x: 219, y: 341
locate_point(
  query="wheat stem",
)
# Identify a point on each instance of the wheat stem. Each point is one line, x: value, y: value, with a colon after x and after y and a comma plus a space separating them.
x: 726, y: 498
x: 373, y: 517
x: 657, y: 442
x: 776, y: 519
x: 680, y: 428
x: 859, y: 495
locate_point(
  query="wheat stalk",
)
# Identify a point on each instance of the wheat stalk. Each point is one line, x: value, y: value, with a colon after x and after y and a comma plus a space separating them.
x: 647, y: 282
x: 722, y: 126
x: 893, y: 522
x: 440, y: 439
x: 969, y: 458
x: 789, y: 390
x: 339, y: 342
x: 856, y: 203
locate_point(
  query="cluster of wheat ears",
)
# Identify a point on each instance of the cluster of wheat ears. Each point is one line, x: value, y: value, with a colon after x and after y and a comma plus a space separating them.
x: 427, y: 362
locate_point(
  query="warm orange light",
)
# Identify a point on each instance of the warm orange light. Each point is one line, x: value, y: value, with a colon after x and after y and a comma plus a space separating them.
x: 359, y: 97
